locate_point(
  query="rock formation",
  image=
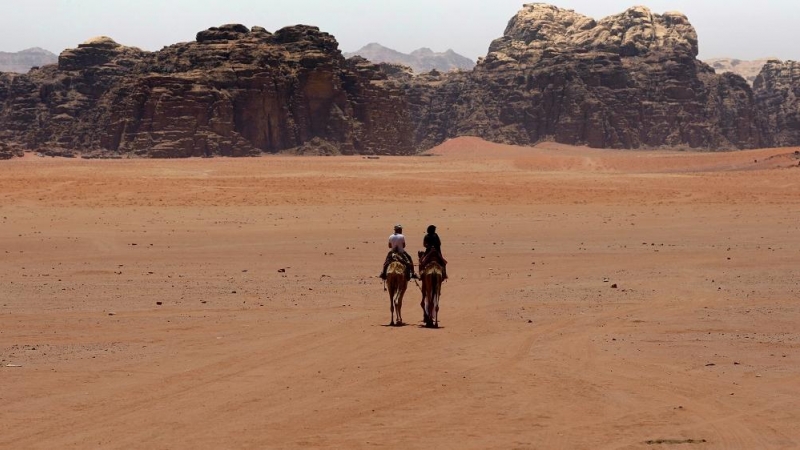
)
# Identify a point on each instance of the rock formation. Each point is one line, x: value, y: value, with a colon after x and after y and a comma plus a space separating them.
x: 7, y: 152
x: 627, y: 81
x: 22, y: 62
x: 777, y: 90
x: 420, y: 61
x: 631, y: 80
x: 232, y: 92
x: 748, y: 70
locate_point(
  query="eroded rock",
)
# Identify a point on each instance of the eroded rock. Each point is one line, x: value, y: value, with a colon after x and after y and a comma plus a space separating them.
x: 233, y: 92
x: 627, y: 81
x: 631, y: 80
x: 777, y: 90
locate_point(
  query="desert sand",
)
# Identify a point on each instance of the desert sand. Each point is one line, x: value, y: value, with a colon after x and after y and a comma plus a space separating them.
x: 598, y: 299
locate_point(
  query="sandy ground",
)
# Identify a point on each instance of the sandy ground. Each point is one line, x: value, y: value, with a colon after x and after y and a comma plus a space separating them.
x: 697, y: 347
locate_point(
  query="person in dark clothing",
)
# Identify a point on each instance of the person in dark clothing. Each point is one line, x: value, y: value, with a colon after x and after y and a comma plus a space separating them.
x: 433, y: 251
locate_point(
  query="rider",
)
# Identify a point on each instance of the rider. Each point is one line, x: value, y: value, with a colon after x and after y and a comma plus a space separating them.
x: 433, y: 251
x: 397, y: 244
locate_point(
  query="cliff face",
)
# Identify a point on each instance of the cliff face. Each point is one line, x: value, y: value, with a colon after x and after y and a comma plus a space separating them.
x: 627, y: 81
x: 232, y: 92
x: 7, y: 152
x: 777, y: 90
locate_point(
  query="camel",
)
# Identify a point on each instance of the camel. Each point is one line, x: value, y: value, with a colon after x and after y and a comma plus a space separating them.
x: 397, y: 283
x: 431, y: 290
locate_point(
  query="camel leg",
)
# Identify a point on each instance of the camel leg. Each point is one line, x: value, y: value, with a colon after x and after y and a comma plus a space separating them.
x: 399, y: 307
x: 424, y: 311
x: 432, y: 296
x: 436, y: 309
x: 428, y: 315
x: 391, y: 307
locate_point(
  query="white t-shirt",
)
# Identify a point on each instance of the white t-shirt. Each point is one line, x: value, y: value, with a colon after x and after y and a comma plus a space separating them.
x: 398, y: 242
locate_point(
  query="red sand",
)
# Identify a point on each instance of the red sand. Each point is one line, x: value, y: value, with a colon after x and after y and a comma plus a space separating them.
x: 699, y: 342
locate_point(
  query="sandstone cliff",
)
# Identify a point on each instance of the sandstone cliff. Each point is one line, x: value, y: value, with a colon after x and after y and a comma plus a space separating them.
x: 631, y: 80
x: 22, y: 62
x: 420, y: 61
x: 234, y: 91
x: 628, y: 81
x: 777, y: 90
x: 7, y: 152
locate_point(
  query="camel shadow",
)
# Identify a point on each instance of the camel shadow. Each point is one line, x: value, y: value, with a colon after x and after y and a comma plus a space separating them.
x: 401, y: 325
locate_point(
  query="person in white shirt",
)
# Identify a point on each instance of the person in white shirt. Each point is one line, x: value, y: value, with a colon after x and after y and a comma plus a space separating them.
x: 397, y: 244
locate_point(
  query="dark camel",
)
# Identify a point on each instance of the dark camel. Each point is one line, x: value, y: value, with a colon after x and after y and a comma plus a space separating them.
x: 432, y: 276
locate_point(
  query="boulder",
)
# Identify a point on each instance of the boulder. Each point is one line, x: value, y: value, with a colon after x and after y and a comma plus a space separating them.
x: 229, y: 32
x: 10, y: 151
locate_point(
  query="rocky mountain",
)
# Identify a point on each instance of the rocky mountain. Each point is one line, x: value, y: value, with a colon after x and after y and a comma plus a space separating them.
x: 233, y: 91
x: 420, y: 61
x: 631, y: 80
x: 22, y: 62
x: 748, y: 70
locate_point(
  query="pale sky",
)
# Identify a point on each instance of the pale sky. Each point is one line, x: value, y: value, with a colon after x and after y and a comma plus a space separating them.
x: 733, y: 28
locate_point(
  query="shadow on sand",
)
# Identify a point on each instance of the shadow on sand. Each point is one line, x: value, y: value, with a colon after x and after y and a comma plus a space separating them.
x: 386, y: 325
x: 403, y: 325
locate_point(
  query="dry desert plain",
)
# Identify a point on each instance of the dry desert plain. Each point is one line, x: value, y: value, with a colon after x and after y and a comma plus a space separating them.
x: 234, y: 303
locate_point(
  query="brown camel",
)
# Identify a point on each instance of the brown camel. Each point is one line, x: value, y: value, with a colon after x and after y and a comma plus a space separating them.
x: 431, y: 290
x: 396, y: 283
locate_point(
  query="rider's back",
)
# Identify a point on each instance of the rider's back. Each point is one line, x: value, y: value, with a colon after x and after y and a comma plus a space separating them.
x: 398, y: 243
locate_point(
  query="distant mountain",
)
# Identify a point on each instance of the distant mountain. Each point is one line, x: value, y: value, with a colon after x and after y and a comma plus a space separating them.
x: 21, y: 62
x: 749, y: 70
x: 421, y: 60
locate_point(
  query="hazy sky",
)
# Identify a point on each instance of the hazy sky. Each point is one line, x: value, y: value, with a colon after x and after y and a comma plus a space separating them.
x: 735, y: 28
